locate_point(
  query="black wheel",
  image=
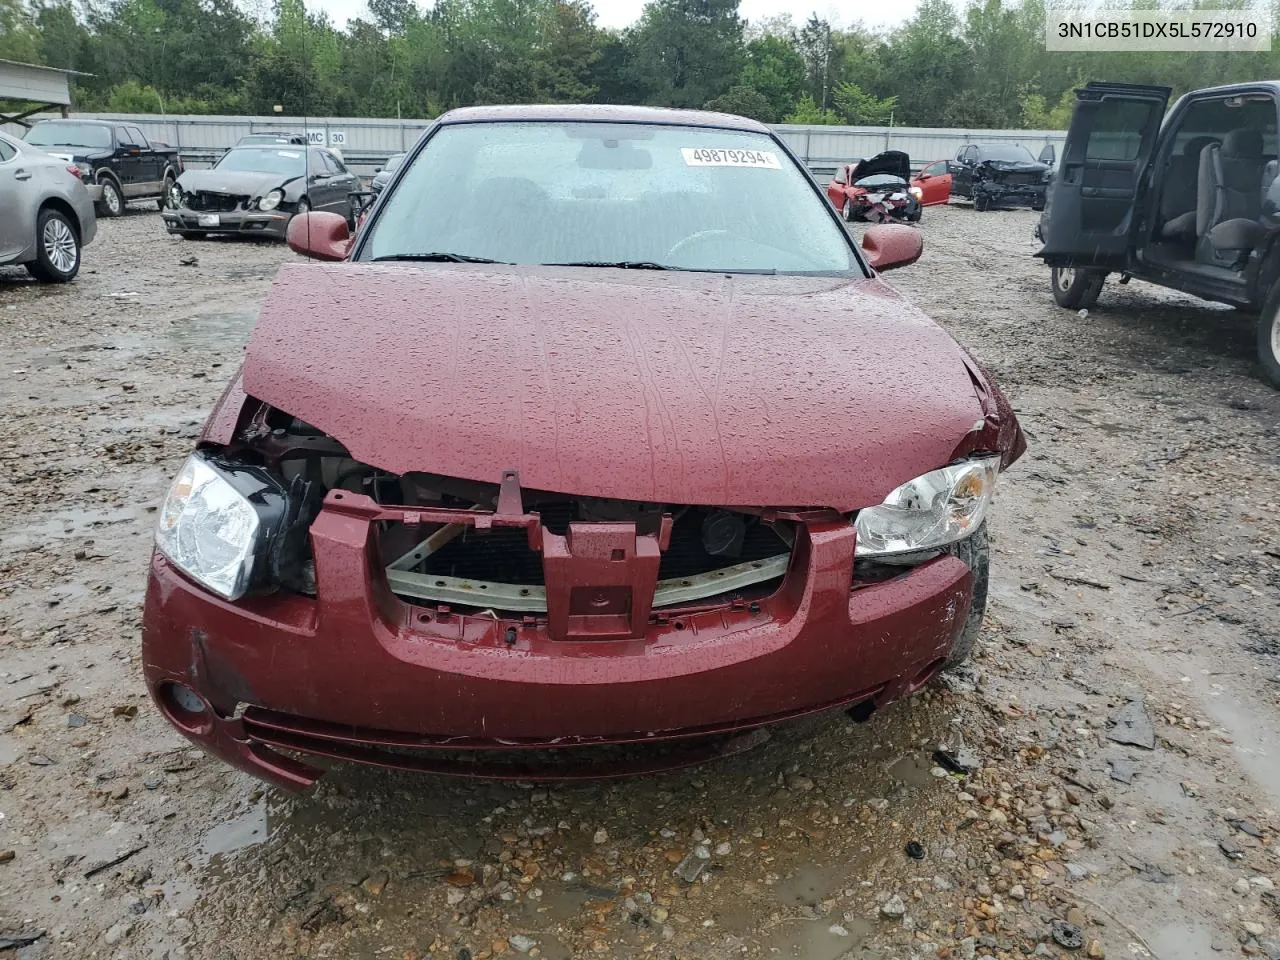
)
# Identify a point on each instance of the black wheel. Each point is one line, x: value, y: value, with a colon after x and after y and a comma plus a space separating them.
x: 163, y: 200
x: 981, y: 202
x: 112, y: 203
x: 975, y: 551
x: 1269, y: 338
x: 57, y: 248
x: 1074, y: 289
x: 849, y: 214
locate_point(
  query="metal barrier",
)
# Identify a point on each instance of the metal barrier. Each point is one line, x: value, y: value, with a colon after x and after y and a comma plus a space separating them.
x: 366, y: 143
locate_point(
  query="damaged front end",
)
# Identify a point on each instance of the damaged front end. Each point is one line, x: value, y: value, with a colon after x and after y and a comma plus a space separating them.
x: 1008, y: 183
x: 576, y: 567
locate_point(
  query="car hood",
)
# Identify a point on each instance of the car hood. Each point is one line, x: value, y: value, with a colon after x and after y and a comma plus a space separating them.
x: 1015, y: 166
x: 893, y: 162
x: 239, y: 182
x: 680, y: 388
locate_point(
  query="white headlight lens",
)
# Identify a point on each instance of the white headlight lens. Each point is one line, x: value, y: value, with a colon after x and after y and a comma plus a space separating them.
x: 208, y: 530
x: 917, y: 192
x: 271, y: 200
x: 930, y: 511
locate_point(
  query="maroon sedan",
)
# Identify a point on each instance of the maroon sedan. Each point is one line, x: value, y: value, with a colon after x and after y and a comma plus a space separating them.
x: 611, y: 452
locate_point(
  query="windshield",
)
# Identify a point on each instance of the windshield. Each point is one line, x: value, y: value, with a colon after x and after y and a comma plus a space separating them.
x: 1007, y: 151
x: 288, y: 163
x: 393, y: 162
x: 603, y: 193
x: 91, y: 135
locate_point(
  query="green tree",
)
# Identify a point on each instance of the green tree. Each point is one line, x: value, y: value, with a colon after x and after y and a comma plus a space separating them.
x: 808, y: 112
x: 18, y: 37
x: 744, y: 101
x: 776, y: 71
x: 685, y: 52
x: 860, y: 108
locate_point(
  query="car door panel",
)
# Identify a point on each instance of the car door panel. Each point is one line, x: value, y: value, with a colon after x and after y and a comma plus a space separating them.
x: 148, y: 162
x: 1090, y: 204
x: 934, y: 182
x: 128, y: 164
x: 17, y: 228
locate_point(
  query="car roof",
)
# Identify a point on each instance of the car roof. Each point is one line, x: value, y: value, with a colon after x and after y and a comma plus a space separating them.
x: 101, y: 123
x: 602, y: 113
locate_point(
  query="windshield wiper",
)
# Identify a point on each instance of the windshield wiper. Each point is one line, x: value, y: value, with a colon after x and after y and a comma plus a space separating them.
x: 616, y: 264
x: 435, y: 258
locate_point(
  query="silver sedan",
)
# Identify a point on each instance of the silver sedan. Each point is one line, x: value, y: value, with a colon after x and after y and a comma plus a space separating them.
x: 46, y: 216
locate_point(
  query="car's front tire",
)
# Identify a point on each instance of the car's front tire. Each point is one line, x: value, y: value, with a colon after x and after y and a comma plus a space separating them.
x: 112, y: 202
x: 848, y: 212
x: 1074, y: 288
x: 1269, y: 338
x: 975, y: 551
x: 57, y: 248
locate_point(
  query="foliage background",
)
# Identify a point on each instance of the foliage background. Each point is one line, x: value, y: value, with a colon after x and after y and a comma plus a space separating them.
x: 979, y: 65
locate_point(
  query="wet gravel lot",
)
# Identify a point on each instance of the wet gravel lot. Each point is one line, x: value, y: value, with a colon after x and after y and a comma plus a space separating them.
x: 1136, y: 568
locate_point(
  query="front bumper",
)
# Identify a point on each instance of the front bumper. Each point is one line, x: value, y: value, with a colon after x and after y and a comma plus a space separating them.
x: 1011, y: 195
x: 95, y: 191
x: 360, y: 675
x: 253, y: 222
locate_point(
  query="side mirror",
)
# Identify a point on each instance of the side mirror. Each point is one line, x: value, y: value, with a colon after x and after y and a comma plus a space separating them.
x: 320, y: 236
x: 887, y: 246
x: 377, y: 169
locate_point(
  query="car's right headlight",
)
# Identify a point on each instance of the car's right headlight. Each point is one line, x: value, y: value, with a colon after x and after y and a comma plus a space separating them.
x: 928, y: 513
x: 271, y: 200
x: 216, y: 522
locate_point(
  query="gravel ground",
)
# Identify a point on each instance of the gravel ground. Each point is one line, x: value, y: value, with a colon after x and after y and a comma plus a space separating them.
x: 1136, y: 566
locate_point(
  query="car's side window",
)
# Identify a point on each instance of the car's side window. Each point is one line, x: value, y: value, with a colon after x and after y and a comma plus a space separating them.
x: 122, y: 135
x: 1117, y: 130
x: 936, y: 169
x: 135, y: 136
x: 970, y: 154
x: 338, y: 165
x: 7, y: 152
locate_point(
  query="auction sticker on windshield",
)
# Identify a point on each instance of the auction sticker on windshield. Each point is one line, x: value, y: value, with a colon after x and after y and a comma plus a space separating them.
x: 713, y: 157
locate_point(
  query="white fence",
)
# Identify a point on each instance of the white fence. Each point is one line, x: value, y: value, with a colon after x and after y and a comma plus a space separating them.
x: 366, y: 143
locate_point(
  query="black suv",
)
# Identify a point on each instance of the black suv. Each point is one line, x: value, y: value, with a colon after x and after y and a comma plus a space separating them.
x: 1192, y: 203
x: 1000, y: 175
x: 116, y: 160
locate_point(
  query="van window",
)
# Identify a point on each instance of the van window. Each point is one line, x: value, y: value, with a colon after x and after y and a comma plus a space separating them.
x: 1117, y: 131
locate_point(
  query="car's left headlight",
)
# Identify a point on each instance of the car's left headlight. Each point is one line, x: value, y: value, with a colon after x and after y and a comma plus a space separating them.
x: 271, y: 200
x: 917, y: 193
x: 216, y: 522
x: 930, y: 512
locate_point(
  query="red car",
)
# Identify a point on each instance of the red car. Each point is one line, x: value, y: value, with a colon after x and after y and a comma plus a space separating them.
x: 588, y: 465
x: 934, y: 183
x: 876, y: 189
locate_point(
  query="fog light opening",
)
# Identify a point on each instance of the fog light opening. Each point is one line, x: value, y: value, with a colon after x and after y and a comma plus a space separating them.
x: 186, y: 709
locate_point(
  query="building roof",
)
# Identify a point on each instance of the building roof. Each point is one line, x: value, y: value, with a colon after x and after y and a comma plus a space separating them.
x: 31, y: 83
x: 603, y: 113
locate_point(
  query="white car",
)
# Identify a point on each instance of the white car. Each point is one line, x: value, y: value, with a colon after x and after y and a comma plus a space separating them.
x: 46, y: 216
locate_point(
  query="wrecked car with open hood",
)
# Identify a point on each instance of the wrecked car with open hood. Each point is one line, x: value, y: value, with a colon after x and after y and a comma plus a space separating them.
x: 591, y: 464
x: 877, y: 189
x: 256, y: 189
